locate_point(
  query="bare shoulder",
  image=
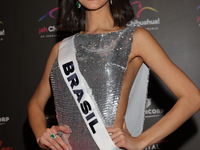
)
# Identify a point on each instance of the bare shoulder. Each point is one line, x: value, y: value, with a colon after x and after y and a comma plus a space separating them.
x: 144, y: 43
x: 141, y: 36
x: 54, y: 51
x: 52, y: 57
x: 139, y: 32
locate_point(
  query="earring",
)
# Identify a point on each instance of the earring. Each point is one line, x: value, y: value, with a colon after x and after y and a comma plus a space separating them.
x: 78, y: 4
x: 111, y: 2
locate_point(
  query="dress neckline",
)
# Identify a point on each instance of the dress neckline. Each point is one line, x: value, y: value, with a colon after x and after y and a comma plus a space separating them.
x: 107, y: 33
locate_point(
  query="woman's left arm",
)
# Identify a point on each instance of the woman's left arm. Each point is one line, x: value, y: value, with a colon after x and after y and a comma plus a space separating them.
x: 146, y: 47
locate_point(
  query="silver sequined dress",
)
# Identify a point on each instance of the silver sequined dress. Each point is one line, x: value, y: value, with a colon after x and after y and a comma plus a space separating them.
x: 102, y: 60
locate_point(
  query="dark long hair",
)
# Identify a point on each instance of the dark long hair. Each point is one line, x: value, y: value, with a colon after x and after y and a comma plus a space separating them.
x: 73, y: 19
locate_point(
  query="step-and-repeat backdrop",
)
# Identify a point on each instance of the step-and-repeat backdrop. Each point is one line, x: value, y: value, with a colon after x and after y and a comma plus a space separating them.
x: 28, y: 32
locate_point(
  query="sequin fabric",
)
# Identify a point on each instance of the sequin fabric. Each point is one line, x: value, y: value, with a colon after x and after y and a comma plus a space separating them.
x: 102, y: 60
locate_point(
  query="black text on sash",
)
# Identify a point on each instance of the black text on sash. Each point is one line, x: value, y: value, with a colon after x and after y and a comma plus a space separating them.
x: 86, y: 109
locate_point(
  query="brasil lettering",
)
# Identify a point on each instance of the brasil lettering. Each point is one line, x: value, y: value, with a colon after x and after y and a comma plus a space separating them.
x: 85, y: 106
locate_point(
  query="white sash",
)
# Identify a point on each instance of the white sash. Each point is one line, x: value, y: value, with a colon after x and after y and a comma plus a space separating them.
x: 82, y: 95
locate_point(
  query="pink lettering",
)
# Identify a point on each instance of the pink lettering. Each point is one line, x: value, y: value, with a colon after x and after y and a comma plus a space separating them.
x: 6, y: 148
x: 41, y: 30
x: 198, y: 18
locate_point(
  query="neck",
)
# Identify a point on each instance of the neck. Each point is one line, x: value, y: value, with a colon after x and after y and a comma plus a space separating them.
x: 98, y: 21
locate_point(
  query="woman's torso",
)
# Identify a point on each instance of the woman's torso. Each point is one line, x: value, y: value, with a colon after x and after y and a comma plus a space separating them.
x: 102, y: 60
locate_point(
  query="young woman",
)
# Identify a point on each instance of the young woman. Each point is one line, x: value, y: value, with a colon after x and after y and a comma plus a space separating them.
x: 99, y: 77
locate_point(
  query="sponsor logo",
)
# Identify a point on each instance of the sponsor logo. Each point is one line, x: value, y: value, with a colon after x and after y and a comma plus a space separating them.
x: 4, y: 148
x: 153, y: 147
x: 147, y: 22
x: 47, y: 31
x: 150, y: 23
x: 156, y: 145
x: 50, y: 13
x: 198, y: 17
x: 142, y: 8
x: 2, y: 32
x: 4, y: 120
x: 152, y: 112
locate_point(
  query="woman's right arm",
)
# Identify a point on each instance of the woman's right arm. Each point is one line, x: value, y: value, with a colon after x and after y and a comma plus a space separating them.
x: 36, y: 107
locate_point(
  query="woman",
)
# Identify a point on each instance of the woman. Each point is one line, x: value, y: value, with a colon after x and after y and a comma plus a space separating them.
x: 110, y: 59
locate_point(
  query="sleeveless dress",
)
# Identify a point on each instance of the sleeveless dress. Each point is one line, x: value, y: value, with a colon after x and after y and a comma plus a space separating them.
x: 102, y: 60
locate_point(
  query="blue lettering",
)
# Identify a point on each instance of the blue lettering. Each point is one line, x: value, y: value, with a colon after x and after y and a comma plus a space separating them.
x: 68, y: 68
x: 74, y: 80
x: 79, y: 94
x: 85, y: 107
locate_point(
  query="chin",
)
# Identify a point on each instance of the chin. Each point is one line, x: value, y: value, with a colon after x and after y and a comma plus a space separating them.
x: 92, y: 7
x: 93, y: 4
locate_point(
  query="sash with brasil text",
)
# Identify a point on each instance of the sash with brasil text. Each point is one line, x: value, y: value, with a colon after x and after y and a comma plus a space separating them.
x: 82, y: 95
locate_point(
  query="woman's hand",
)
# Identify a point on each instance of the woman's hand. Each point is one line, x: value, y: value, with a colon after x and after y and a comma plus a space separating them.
x: 46, y: 142
x: 123, y: 139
